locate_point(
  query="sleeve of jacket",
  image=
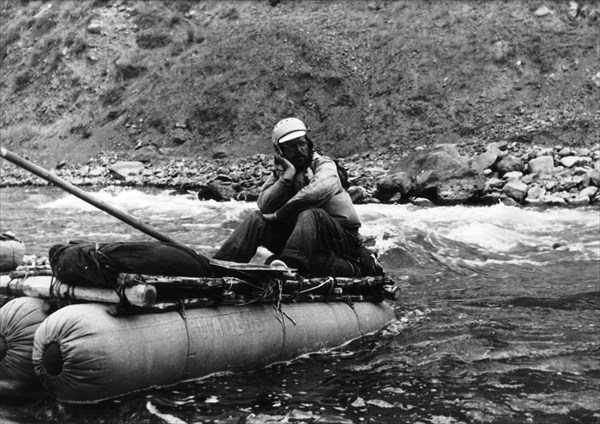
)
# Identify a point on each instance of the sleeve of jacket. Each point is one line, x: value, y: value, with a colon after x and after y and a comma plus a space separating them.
x: 273, y: 194
x: 323, y: 186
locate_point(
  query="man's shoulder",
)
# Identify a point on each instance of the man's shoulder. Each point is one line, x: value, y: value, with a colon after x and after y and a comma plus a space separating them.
x: 320, y: 159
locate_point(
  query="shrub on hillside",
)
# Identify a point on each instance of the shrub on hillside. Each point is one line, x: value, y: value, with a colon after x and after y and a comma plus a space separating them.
x: 130, y: 67
x: 158, y: 123
x: 82, y: 130
x: 75, y: 43
x: 22, y: 80
x: 42, y: 50
x: 231, y: 14
x: 146, y: 16
x: 8, y: 36
x: 152, y: 39
x: 100, y: 3
x: 182, y: 6
x: 177, y: 48
x: 44, y: 23
x: 111, y: 96
x: 53, y: 61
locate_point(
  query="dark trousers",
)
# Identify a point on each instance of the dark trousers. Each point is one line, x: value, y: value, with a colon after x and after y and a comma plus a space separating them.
x: 314, y: 243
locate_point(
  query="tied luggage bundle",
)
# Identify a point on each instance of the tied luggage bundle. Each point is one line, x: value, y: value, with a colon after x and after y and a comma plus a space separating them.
x: 99, y: 264
x: 11, y: 252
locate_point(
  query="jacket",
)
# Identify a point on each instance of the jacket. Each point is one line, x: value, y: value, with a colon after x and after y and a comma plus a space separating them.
x: 317, y: 187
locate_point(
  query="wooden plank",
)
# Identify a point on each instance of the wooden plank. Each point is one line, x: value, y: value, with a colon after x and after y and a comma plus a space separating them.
x: 224, y: 282
x: 251, y: 271
x: 377, y: 286
x: 142, y: 295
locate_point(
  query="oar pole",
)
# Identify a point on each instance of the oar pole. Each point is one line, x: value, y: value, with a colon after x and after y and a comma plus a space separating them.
x: 75, y: 191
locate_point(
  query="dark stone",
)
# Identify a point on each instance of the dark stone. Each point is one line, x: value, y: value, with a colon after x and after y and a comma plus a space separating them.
x: 219, y: 155
x: 389, y: 185
x: 216, y: 191
x: 509, y: 164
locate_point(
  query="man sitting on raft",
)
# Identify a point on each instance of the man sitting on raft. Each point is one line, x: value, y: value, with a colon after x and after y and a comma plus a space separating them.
x: 305, y: 216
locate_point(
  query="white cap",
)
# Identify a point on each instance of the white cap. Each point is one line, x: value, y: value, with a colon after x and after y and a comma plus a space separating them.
x: 288, y: 129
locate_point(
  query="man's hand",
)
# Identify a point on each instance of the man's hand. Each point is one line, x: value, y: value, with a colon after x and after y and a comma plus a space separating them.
x: 289, y: 171
x: 270, y: 217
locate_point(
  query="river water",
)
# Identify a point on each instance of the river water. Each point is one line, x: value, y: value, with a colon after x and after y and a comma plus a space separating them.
x: 498, y: 320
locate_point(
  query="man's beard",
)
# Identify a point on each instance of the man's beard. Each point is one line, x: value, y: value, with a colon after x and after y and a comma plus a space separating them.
x: 300, y: 161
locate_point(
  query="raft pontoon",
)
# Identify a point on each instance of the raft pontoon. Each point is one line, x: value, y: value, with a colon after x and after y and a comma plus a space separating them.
x: 172, y: 329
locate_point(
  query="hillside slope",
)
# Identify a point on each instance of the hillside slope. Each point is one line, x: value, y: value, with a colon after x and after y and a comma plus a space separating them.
x: 176, y: 77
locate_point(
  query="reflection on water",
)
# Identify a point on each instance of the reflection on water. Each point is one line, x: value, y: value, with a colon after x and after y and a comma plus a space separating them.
x: 498, y: 321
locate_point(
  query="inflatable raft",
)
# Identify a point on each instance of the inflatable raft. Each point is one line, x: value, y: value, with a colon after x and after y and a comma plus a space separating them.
x: 89, y: 352
x: 19, y: 320
x: 83, y: 354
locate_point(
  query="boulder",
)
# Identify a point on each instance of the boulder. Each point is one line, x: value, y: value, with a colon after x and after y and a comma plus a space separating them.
x: 594, y: 177
x: 435, y: 173
x: 535, y: 194
x: 550, y: 185
x: 357, y: 193
x: 515, y: 189
x: 123, y: 169
x: 494, y: 184
x: 582, y: 151
x: 444, y: 159
x: 216, y: 191
x: 589, y: 191
x: 389, y: 185
x: 565, y: 151
x: 484, y: 160
x: 541, y: 165
x: 508, y: 201
x: 421, y: 201
x: 508, y: 164
x: 94, y: 27
x: 570, y: 182
x: 492, y: 198
x: 180, y: 136
x: 542, y: 11
x: 513, y: 175
x: 98, y: 171
x: 544, y: 151
x: 578, y: 200
x: 460, y: 189
x: 396, y: 198
x: 569, y: 161
x: 529, y: 178
x: 554, y: 199
x: 426, y: 180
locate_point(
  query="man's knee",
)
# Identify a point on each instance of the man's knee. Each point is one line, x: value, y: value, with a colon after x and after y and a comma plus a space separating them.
x: 311, y: 215
x: 255, y: 218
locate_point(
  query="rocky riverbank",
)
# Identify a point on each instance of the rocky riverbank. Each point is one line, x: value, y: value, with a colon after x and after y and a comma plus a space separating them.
x: 447, y: 174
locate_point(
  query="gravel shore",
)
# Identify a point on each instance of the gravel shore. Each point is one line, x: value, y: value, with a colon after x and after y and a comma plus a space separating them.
x: 446, y: 174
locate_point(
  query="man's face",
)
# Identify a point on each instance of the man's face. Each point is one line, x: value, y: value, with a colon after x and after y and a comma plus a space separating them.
x: 297, y: 152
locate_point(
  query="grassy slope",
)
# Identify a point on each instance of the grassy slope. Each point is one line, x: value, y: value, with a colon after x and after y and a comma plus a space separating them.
x: 362, y: 74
